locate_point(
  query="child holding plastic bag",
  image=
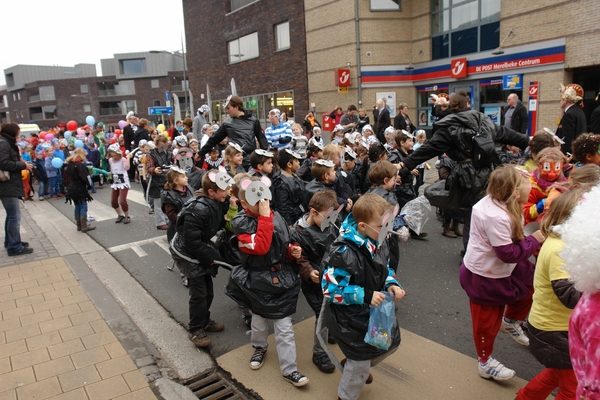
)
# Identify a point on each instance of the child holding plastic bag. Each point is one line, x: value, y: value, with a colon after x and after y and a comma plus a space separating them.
x: 356, y: 272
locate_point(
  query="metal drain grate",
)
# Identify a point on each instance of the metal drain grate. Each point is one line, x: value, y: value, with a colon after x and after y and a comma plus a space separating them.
x: 213, y: 385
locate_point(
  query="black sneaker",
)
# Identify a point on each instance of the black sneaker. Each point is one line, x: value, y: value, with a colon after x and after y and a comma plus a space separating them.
x: 331, y: 339
x: 26, y: 250
x: 127, y: 220
x: 121, y: 218
x: 296, y: 379
x: 247, y: 320
x: 323, y: 363
x: 258, y: 358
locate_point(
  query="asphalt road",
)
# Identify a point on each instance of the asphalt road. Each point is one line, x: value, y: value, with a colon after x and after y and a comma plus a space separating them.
x: 435, y: 306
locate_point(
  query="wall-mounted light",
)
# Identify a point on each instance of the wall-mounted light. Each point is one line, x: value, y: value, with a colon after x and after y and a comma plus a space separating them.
x: 411, y: 66
x: 500, y: 50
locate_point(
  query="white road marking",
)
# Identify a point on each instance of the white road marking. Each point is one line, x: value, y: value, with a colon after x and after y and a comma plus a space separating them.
x: 161, y: 241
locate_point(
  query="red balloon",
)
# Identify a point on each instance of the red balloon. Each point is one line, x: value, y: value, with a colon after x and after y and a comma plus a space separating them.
x: 117, y: 132
x: 72, y: 125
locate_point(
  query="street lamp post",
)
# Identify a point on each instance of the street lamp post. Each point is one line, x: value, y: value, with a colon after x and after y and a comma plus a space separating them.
x: 184, y: 83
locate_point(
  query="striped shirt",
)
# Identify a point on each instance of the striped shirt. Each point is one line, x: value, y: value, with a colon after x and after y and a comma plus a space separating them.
x: 277, y: 134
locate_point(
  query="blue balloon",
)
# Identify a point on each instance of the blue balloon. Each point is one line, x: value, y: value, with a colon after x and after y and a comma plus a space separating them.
x: 90, y: 120
x: 57, y: 162
x: 67, y: 134
x: 79, y: 144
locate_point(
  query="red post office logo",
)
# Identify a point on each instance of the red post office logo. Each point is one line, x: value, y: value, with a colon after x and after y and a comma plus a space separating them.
x: 458, y: 68
x: 533, y: 90
x: 342, y: 76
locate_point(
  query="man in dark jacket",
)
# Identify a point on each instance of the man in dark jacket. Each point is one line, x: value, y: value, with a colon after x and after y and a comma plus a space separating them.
x: 515, y: 115
x: 128, y: 138
x: 241, y: 127
x: 11, y: 190
x: 573, y: 122
x: 595, y: 121
x: 455, y: 135
x: 382, y: 121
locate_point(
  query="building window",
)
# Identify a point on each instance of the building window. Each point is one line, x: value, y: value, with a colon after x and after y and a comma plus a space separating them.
x: 128, y: 105
x: 10, y: 79
x: 155, y: 103
x: 154, y: 83
x: 282, y: 36
x: 87, y: 108
x: 5, y: 100
x: 464, y: 26
x: 243, y: 49
x: 84, y: 88
x: 19, y: 95
x: 14, y: 97
x: 126, y: 88
x: 237, y: 4
x: 49, y: 112
x: 385, y: 5
x: 134, y: 66
x: 47, y: 93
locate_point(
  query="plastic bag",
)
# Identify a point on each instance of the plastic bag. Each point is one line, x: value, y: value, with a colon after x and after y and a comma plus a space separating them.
x: 417, y: 213
x: 381, y: 323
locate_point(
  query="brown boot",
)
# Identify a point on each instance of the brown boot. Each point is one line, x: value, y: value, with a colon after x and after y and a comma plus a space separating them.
x: 446, y: 231
x: 78, y: 221
x: 456, y: 227
x: 200, y: 339
x: 84, y: 225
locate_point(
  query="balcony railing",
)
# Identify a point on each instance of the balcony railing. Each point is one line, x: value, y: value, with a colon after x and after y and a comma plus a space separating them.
x: 32, y: 99
x: 37, y: 116
x: 111, y: 111
x: 114, y: 92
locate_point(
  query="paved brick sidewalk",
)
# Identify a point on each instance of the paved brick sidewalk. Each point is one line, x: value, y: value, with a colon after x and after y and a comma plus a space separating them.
x: 53, y: 341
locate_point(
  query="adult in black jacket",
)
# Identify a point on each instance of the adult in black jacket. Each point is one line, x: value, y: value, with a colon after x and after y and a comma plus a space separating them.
x: 453, y: 135
x: 382, y: 121
x: 573, y: 122
x: 595, y: 121
x: 242, y: 128
x: 11, y: 190
x: 141, y: 133
x: 517, y: 119
x: 129, y: 139
x: 401, y: 120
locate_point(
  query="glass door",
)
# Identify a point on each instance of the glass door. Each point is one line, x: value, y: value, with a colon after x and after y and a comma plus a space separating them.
x: 472, y: 89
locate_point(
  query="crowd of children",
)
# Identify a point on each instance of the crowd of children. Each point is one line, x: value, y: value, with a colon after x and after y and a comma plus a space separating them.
x: 315, y: 217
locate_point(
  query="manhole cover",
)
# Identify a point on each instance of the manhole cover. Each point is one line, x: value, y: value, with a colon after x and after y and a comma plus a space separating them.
x: 213, y: 385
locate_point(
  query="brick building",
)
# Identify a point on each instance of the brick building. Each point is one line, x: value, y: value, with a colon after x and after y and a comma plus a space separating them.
x: 259, y: 43
x: 406, y: 50
x: 48, y: 95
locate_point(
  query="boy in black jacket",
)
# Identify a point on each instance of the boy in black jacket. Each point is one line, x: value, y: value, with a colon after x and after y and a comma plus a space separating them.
x: 289, y: 189
x: 198, y: 221
x: 265, y: 282
x: 355, y: 273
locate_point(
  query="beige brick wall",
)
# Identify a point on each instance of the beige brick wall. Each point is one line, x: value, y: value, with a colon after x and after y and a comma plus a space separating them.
x: 548, y: 108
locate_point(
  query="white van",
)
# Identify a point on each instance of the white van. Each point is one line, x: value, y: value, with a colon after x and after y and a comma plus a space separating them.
x: 28, y: 129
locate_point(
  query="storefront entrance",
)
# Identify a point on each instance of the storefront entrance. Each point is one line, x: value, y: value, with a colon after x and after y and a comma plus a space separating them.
x: 472, y: 89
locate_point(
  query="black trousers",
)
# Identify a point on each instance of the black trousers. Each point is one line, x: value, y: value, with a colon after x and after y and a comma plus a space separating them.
x: 201, y: 298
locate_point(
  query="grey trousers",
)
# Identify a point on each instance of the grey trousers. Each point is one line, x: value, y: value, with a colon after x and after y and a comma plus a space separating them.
x: 159, y: 215
x: 355, y: 374
x: 284, y: 340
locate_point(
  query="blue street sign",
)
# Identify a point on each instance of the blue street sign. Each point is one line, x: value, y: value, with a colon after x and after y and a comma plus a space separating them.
x: 160, y: 110
x: 167, y: 95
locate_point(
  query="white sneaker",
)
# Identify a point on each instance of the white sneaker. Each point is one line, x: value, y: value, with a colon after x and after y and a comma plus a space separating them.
x: 515, y: 331
x: 494, y: 369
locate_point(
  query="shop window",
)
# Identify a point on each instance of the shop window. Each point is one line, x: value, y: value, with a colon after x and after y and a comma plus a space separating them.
x: 244, y: 48
x: 464, y: 26
x: 385, y: 5
x: 282, y: 36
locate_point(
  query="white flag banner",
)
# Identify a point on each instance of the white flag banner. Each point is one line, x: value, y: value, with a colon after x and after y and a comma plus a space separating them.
x: 210, y: 118
x: 233, y: 89
x: 177, y: 108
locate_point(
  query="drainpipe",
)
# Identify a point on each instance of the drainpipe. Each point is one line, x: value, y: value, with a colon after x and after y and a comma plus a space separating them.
x: 357, y: 29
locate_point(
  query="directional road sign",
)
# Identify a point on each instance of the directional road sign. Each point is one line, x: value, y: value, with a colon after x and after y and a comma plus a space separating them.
x: 160, y: 110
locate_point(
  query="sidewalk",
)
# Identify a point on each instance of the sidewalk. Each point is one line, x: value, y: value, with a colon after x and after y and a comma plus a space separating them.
x: 54, y: 343
x: 71, y: 322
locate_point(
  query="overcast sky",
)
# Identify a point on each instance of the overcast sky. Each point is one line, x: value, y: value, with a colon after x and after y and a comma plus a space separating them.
x: 69, y: 32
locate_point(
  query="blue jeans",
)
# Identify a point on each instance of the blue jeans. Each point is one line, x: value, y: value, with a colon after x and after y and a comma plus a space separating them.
x: 12, y: 225
x: 81, y: 209
x: 42, y: 189
x: 54, y: 183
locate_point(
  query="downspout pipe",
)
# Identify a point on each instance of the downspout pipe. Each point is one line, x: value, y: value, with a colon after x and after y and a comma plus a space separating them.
x: 357, y: 29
